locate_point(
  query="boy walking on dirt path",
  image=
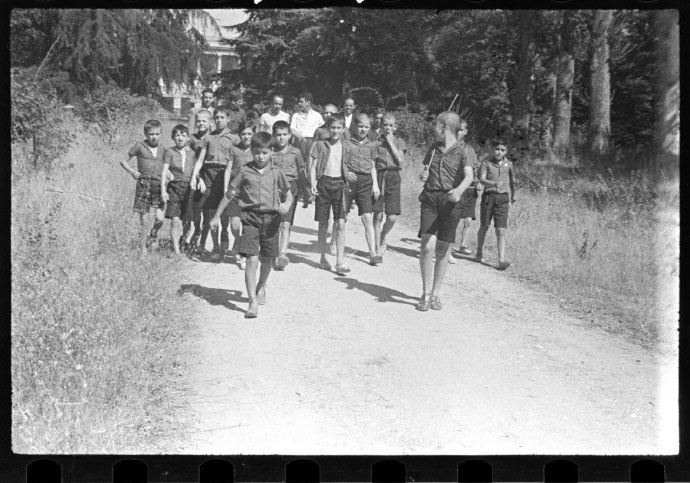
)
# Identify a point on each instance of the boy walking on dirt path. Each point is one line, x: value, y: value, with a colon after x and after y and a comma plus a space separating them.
x: 496, y: 173
x: 444, y: 203
x: 259, y: 187
x: 196, y: 142
x: 363, y: 187
x: 149, y: 156
x: 328, y: 183
x: 209, y: 170
x: 178, y: 161
x: 289, y: 160
x: 389, y: 159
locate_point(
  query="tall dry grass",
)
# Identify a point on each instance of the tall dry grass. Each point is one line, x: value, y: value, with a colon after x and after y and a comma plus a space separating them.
x: 98, y: 332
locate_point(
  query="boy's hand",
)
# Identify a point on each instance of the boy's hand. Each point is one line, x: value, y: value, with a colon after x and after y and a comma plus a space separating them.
x: 424, y: 174
x: 283, y: 208
x: 351, y: 177
x: 192, y: 183
x: 201, y: 186
x: 214, y: 221
x: 376, y: 192
x: 314, y: 191
x: 165, y: 197
x: 135, y: 174
x: 454, y: 196
x: 389, y: 139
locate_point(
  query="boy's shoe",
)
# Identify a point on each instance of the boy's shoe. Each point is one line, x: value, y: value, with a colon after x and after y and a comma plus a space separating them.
x: 342, y: 269
x: 423, y: 304
x: 324, y: 265
x: 503, y: 265
x: 253, y: 310
x: 451, y: 259
x: 281, y: 262
x: 464, y: 250
x: 261, y: 294
x: 435, y: 303
x: 479, y: 257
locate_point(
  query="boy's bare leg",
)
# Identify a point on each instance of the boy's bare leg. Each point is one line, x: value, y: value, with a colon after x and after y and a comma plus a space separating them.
x: 250, y: 285
x: 264, y: 271
x: 387, y: 227
x: 142, y: 230
x: 481, y: 237
x: 442, y: 252
x: 284, y: 238
x: 340, y: 242
x: 159, y: 217
x: 368, y: 222
x: 175, y: 232
x: 378, y: 223
x: 426, y: 262
x: 323, y: 240
x: 334, y: 238
x: 465, y: 231
x: 224, y: 237
x: 501, y: 242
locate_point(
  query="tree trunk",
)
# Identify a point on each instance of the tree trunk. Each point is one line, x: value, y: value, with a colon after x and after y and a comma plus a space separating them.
x: 667, y: 133
x: 600, y: 85
x: 526, y: 56
x: 565, y: 73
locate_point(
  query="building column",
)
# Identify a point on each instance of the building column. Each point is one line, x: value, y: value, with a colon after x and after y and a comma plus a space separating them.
x: 220, y: 64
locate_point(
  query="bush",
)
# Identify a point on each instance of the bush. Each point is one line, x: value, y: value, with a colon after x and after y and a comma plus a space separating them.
x: 414, y: 127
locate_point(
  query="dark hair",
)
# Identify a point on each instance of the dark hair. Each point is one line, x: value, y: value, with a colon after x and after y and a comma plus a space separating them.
x: 249, y: 123
x: 208, y: 89
x: 338, y: 116
x: 499, y: 142
x: 280, y: 125
x: 306, y: 96
x: 360, y: 117
x: 151, y: 123
x: 261, y: 140
x: 180, y: 128
x: 225, y: 108
x: 282, y: 98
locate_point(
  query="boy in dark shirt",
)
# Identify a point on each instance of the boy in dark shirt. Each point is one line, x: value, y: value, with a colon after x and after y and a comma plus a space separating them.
x: 259, y: 188
x: 203, y: 124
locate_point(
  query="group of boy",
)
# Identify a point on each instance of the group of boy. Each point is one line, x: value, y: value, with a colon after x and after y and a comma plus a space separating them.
x: 251, y: 181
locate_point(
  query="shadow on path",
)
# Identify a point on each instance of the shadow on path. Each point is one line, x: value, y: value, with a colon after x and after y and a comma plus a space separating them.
x: 312, y: 247
x: 297, y: 258
x: 382, y: 294
x: 303, y: 230
x: 410, y: 252
x: 215, y: 296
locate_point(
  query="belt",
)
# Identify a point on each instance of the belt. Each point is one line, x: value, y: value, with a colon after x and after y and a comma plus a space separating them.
x: 359, y: 173
x: 389, y: 168
x: 339, y: 178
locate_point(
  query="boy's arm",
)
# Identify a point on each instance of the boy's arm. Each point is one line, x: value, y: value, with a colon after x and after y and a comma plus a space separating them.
x: 398, y: 154
x: 456, y: 193
x: 482, y: 176
x: 312, y: 171
x: 225, y: 200
x: 511, y: 180
x: 283, y: 185
x: 164, y: 182
x: 197, y: 167
x: 228, y: 171
x: 134, y: 173
x: 374, y: 177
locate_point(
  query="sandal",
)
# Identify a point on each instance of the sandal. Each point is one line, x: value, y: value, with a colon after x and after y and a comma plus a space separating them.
x: 342, y: 269
x: 423, y: 304
x: 435, y: 303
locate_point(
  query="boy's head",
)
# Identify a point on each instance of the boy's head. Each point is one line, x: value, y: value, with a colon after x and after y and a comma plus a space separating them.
x: 180, y: 135
x: 447, y: 123
x: 329, y: 110
x: 378, y: 118
x: 261, y: 148
x: 276, y: 104
x: 336, y: 126
x: 207, y: 97
x: 152, y: 131
x: 304, y: 101
x: 500, y: 147
x: 246, y: 131
x: 348, y: 106
x: 220, y: 116
x: 281, y: 133
x: 363, y: 126
x: 203, y: 120
x: 387, y: 122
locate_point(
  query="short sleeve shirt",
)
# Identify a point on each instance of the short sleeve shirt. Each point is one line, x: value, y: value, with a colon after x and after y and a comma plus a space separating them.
x: 239, y: 158
x: 267, y: 120
x: 258, y: 191
x: 497, y: 171
x: 384, y: 155
x: 446, y: 169
x: 289, y: 161
x: 149, y: 164
x: 360, y: 155
x: 218, y: 146
x: 306, y: 124
x: 174, y: 157
x: 321, y: 153
x: 236, y: 117
x: 196, y: 142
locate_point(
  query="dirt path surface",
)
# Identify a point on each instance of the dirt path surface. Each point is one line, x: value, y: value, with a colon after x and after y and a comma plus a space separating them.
x: 346, y: 365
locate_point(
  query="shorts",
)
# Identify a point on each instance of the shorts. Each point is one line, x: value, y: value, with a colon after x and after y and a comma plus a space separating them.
x: 495, y: 205
x: 193, y: 209
x: 260, y: 232
x: 360, y: 192
x: 290, y: 215
x: 233, y: 209
x: 147, y: 195
x: 331, y: 193
x: 468, y: 203
x: 213, y: 177
x: 179, y: 193
x: 439, y: 216
x: 389, y: 184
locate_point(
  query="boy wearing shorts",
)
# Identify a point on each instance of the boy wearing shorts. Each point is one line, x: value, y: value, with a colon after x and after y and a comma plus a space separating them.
x: 390, y: 156
x: 290, y: 161
x: 149, y: 156
x: 303, y: 125
x: 363, y: 187
x: 444, y: 202
x: 328, y: 183
x: 178, y: 161
x: 496, y: 174
x: 209, y: 169
x: 259, y: 188
x: 193, y: 211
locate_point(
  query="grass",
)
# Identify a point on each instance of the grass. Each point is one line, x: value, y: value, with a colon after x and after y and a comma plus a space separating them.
x: 604, y: 243
x: 97, y: 332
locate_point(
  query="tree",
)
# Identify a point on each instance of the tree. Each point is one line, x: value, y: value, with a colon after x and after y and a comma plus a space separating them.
x: 523, y: 92
x: 667, y: 132
x: 565, y: 73
x: 600, y: 85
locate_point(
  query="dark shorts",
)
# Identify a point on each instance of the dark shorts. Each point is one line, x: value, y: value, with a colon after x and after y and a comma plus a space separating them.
x: 439, y: 216
x: 290, y: 215
x: 260, y: 232
x: 389, y: 201
x: 233, y: 209
x: 215, y: 189
x: 468, y: 203
x: 179, y: 193
x: 193, y: 209
x: 495, y: 205
x: 360, y: 192
x: 147, y: 195
x: 331, y: 194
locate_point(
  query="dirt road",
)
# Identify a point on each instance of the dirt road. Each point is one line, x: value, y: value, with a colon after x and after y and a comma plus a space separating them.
x: 346, y: 365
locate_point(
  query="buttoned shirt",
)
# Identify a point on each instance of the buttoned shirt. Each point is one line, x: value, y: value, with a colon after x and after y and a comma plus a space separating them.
x: 361, y: 155
x: 218, y: 146
x: 384, y: 154
x: 446, y: 170
x: 180, y: 162
x: 149, y: 164
x: 258, y: 191
x: 321, y: 153
x: 306, y: 123
x: 500, y: 171
x: 239, y: 157
x: 289, y: 160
